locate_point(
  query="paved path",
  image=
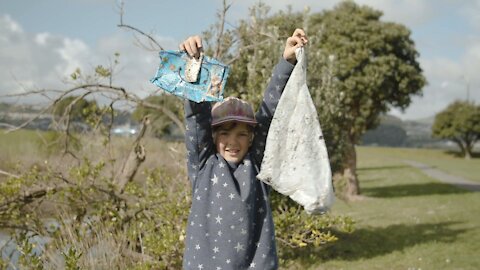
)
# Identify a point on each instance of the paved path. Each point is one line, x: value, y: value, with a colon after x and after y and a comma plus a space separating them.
x: 445, y: 177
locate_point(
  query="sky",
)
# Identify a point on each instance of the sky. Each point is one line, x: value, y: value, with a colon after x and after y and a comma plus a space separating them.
x: 43, y: 42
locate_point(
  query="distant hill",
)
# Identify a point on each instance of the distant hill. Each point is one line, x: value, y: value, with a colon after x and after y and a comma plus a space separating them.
x: 392, y: 131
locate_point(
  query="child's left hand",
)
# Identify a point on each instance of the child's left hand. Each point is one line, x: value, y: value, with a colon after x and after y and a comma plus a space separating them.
x: 297, y: 40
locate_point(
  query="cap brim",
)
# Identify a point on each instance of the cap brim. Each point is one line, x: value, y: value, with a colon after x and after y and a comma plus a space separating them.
x: 235, y: 119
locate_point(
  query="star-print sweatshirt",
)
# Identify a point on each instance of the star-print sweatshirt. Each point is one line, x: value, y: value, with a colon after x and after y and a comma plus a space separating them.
x: 230, y: 225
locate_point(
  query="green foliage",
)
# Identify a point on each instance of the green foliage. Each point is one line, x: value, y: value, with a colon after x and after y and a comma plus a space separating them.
x: 297, y: 232
x: 459, y: 122
x: 78, y: 108
x: 161, y: 124
x: 71, y: 257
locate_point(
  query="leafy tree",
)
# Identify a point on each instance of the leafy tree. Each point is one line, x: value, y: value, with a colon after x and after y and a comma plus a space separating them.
x: 359, y: 67
x: 376, y: 67
x: 459, y: 122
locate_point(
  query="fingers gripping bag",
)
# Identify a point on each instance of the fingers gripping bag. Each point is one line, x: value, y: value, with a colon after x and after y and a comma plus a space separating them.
x: 295, y: 160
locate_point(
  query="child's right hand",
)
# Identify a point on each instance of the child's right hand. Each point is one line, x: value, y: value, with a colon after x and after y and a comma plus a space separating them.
x: 192, y: 45
x: 297, y: 40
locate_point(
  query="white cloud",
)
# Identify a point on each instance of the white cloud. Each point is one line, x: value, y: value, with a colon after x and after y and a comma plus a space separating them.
x: 32, y: 61
x: 73, y: 54
x: 10, y: 24
x: 41, y: 38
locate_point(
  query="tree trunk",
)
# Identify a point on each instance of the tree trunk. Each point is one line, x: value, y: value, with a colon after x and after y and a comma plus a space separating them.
x: 468, y: 152
x: 348, y: 174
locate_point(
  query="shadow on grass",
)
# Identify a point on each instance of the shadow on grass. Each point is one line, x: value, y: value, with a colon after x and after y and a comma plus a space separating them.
x: 412, y: 190
x: 365, y: 243
x: 394, y: 167
x: 460, y: 155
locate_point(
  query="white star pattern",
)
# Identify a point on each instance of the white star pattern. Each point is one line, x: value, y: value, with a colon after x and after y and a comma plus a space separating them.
x: 231, y: 196
x: 252, y: 265
x: 218, y: 195
x: 239, y: 247
x: 200, y: 266
x: 214, y: 179
x: 218, y: 219
x: 228, y: 261
x: 197, y: 247
x: 215, y: 249
x: 244, y: 231
x: 225, y: 184
x: 221, y: 164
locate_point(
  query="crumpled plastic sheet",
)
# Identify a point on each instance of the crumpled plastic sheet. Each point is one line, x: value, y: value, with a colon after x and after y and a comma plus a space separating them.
x: 296, y: 161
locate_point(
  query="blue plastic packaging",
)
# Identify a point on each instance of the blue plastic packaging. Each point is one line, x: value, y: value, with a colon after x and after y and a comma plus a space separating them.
x: 210, y: 82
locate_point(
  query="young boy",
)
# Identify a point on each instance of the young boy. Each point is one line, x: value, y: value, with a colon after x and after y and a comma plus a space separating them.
x: 230, y: 224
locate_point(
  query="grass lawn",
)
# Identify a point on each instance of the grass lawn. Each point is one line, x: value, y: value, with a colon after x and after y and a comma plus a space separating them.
x: 408, y: 220
x: 444, y: 160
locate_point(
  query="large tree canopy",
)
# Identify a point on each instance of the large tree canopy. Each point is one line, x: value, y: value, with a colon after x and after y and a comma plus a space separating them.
x: 459, y: 122
x: 359, y: 67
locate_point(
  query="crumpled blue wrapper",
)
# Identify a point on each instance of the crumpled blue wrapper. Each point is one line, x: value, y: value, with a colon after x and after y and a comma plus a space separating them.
x: 210, y: 83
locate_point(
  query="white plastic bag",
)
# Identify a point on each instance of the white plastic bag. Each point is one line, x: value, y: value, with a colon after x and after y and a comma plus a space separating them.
x: 295, y: 161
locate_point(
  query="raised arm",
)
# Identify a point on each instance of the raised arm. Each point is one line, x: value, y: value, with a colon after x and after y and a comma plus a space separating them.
x: 274, y: 90
x: 198, y: 136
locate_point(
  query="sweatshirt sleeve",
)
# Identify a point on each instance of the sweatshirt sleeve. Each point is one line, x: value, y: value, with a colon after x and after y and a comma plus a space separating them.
x: 264, y: 116
x: 198, y: 136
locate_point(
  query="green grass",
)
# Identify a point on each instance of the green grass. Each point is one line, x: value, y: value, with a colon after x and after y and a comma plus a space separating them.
x: 444, y: 160
x: 408, y: 220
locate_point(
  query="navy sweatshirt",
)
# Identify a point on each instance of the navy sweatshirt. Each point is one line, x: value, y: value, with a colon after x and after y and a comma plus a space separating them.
x: 230, y: 224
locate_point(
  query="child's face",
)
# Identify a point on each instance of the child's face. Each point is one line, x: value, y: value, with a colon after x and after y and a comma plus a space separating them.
x: 233, y: 143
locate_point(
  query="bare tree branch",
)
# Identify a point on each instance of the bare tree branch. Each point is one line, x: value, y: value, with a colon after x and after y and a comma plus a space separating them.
x: 135, y: 158
x: 9, y: 174
x: 221, y: 26
x: 121, y: 24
